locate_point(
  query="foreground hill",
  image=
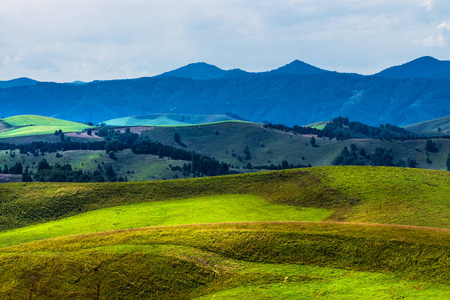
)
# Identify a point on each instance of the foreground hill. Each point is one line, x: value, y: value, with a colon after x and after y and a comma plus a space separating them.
x: 264, y: 259
x: 294, y: 94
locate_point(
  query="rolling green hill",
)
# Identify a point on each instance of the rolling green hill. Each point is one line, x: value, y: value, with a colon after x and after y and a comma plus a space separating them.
x: 432, y: 126
x: 228, y: 142
x: 236, y: 143
x: 168, y: 120
x: 265, y: 259
x: 28, y: 125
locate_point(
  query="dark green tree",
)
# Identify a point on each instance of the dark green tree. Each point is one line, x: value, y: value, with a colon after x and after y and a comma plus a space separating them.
x: 430, y: 146
x: 26, y: 176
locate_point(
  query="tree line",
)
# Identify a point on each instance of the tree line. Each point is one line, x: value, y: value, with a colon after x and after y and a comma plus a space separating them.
x: 342, y: 128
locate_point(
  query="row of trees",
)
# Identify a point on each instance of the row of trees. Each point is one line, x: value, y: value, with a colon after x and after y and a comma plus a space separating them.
x: 65, y: 173
x: 380, y: 157
x: 342, y: 129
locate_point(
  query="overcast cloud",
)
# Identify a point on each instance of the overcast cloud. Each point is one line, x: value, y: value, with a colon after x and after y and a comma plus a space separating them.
x: 54, y: 40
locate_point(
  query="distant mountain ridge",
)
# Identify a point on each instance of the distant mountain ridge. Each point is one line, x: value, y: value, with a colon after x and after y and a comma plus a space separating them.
x: 423, y: 67
x: 204, y: 71
x: 17, y: 82
x: 296, y: 93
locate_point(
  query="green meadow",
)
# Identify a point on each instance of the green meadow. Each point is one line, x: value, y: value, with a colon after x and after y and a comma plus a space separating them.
x: 212, y: 209
x: 28, y: 125
x: 314, y: 233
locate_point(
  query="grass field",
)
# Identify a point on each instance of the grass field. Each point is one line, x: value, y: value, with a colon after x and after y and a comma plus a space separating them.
x: 212, y: 209
x: 432, y: 126
x: 168, y: 120
x: 240, y: 260
x: 135, y: 241
x: 26, y: 125
x: 228, y: 141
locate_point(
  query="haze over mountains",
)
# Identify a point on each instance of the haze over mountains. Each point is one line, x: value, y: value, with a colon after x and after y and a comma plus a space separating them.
x: 296, y: 93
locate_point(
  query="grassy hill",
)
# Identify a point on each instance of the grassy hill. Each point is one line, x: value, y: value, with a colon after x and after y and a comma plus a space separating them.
x: 168, y: 120
x: 28, y: 125
x: 228, y: 141
x: 265, y: 259
x: 432, y: 126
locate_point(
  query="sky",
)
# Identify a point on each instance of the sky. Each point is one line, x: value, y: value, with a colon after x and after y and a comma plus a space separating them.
x: 85, y: 40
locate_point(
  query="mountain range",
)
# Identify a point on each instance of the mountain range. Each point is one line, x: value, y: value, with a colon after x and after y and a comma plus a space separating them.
x: 297, y: 93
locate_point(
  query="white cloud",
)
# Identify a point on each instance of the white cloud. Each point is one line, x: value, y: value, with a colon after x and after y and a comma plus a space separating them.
x: 444, y: 26
x: 104, y: 39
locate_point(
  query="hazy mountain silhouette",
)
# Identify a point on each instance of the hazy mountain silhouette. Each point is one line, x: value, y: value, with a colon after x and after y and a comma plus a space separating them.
x: 288, y: 95
x: 298, y: 67
x: 423, y: 67
x: 17, y: 82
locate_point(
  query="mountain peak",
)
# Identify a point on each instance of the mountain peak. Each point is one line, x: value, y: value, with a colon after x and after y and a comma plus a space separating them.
x: 422, y: 67
x: 298, y: 67
x: 199, y: 71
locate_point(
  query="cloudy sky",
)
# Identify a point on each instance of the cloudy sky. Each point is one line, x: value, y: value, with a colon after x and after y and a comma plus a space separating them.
x: 68, y: 40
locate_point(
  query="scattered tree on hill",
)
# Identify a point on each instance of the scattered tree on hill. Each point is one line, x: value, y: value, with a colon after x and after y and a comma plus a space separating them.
x: 313, y: 143
x: 430, y: 146
x: 412, y: 163
x: 177, y: 139
x: 448, y: 163
x: 16, y: 169
x: 26, y: 176
x: 43, y: 165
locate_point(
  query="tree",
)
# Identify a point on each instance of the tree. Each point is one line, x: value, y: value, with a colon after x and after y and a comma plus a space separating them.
x: 16, y: 169
x: 448, y: 163
x: 26, y: 176
x: 112, y: 155
x: 43, y: 165
x: 177, y: 137
x: 430, y: 146
x: 312, y: 141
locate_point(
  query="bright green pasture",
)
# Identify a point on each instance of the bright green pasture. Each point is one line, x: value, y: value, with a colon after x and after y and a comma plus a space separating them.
x: 211, y: 209
x: 37, y: 125
x: 292, y: 260
x: 26, y: 120
x: 38, y: 130
x: 390, y: 195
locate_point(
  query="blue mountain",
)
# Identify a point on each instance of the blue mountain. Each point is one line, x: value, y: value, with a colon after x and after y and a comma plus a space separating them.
x: 297, y: 93
x: 423, y: 67
x: 17, y: 82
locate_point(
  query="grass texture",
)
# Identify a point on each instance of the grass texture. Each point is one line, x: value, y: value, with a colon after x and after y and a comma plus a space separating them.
x: 239, y: 260
x: 405, y: 255
x: 37, y: 125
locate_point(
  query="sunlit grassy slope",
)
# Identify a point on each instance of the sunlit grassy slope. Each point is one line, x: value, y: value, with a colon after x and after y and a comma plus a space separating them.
x: 240, y: 260
x: 265, y: 259
x: 358, y: 194
x: 37, y: 125
x: 224, y: 208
